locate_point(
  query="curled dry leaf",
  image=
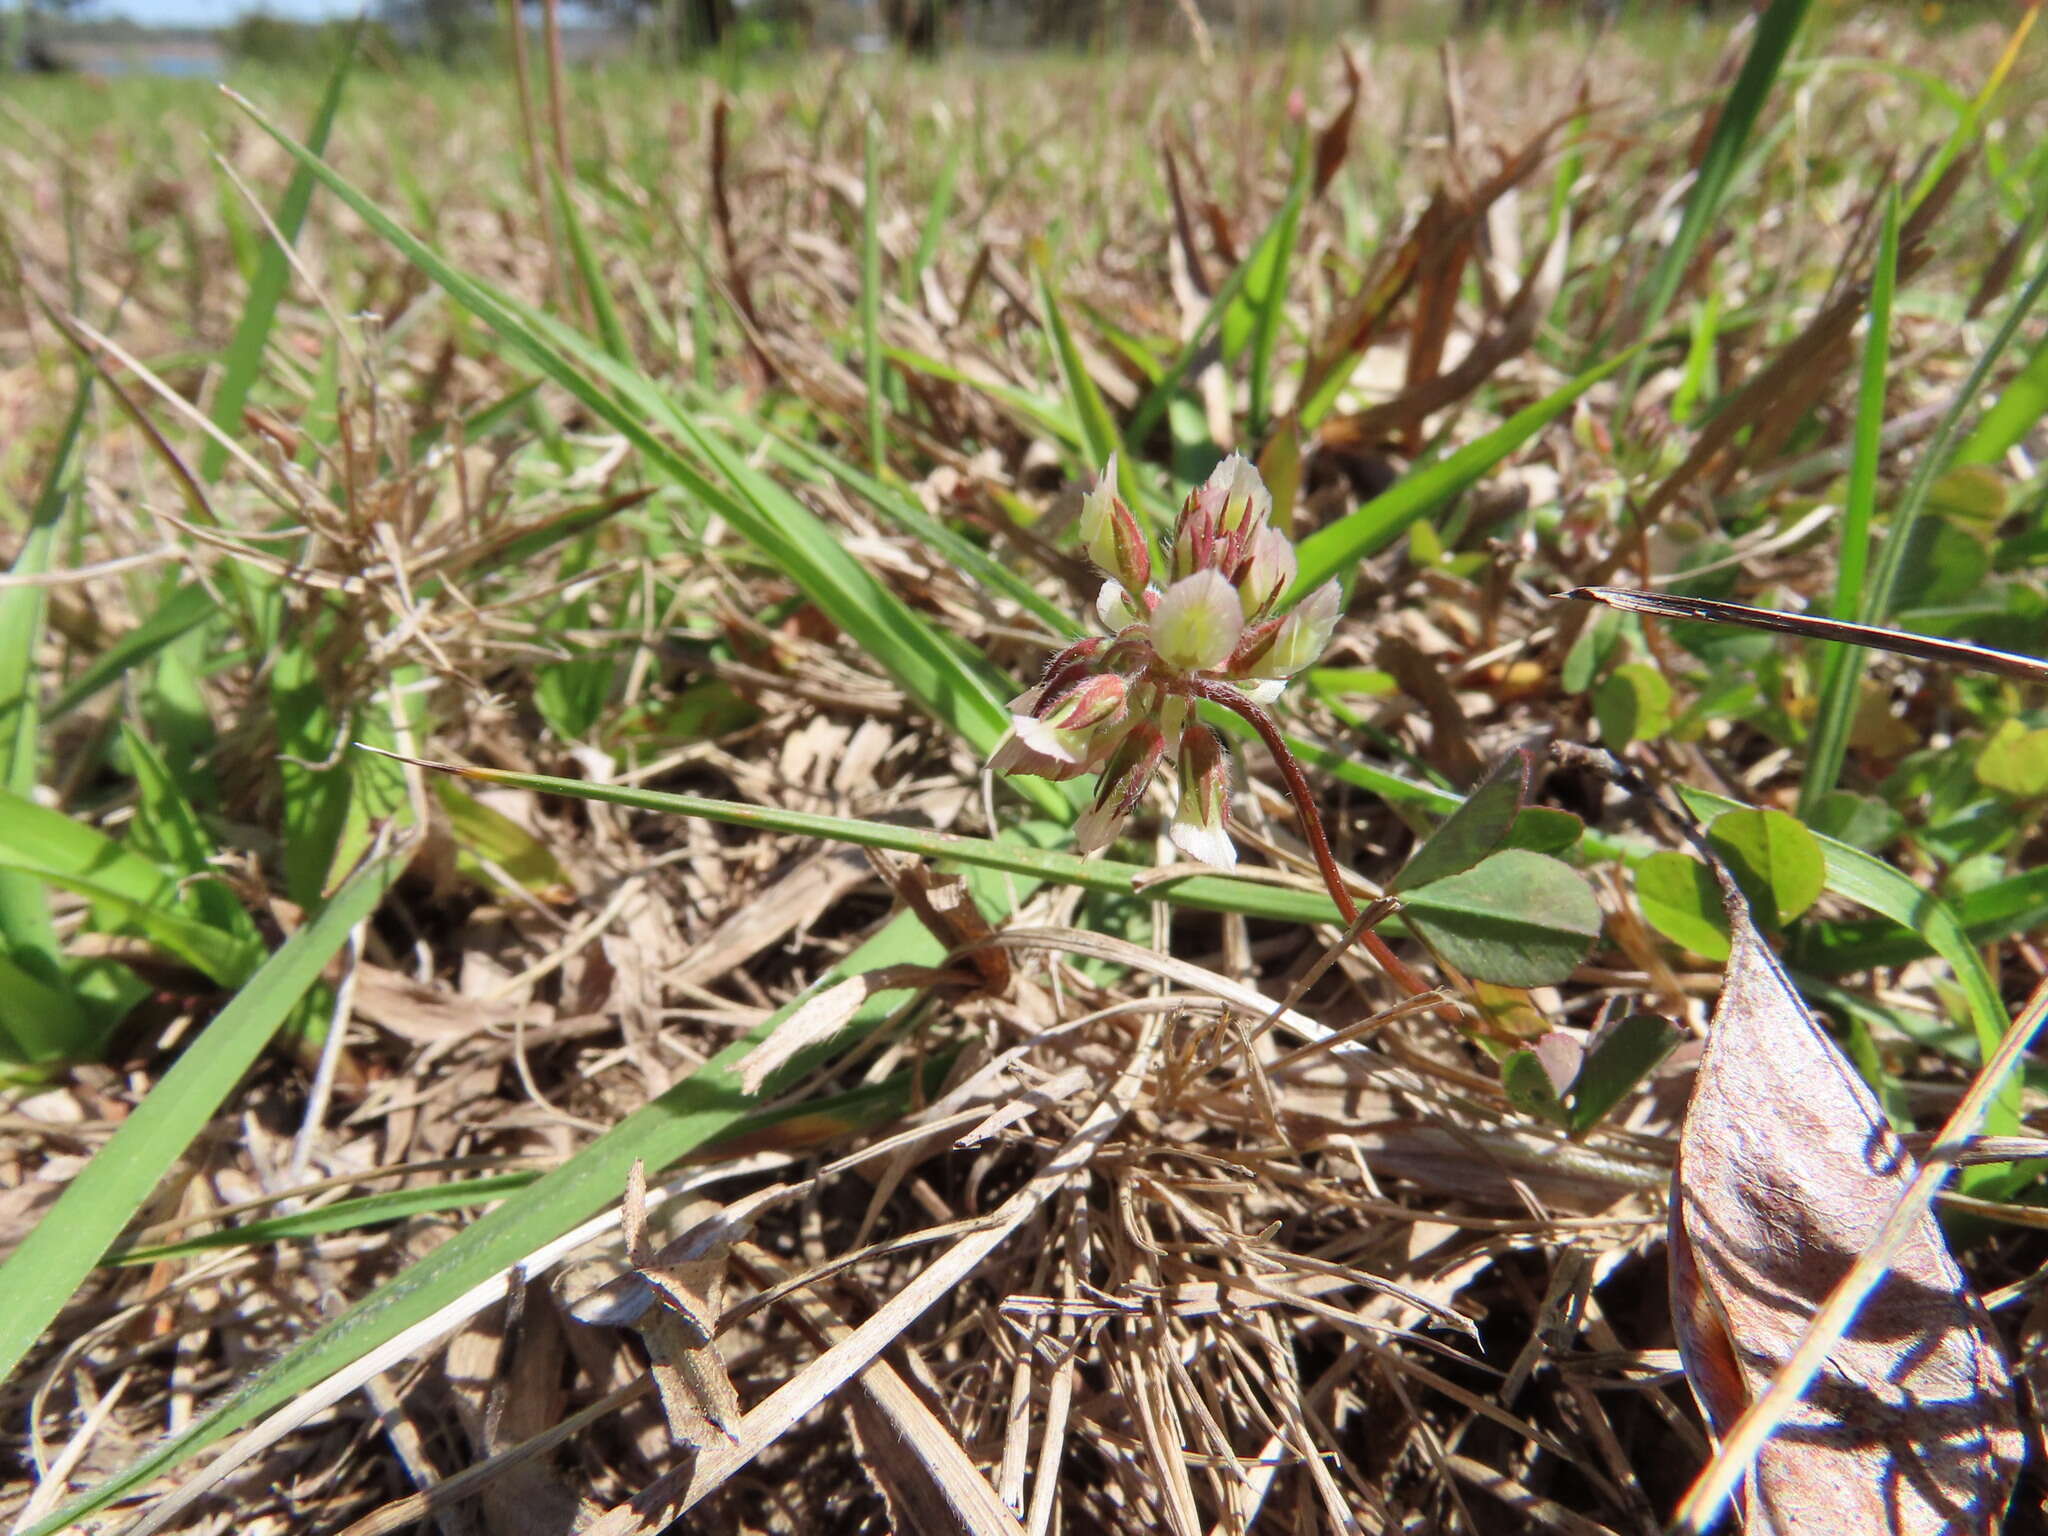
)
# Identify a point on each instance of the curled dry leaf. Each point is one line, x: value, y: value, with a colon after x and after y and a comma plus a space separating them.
x: 1786, y: 1172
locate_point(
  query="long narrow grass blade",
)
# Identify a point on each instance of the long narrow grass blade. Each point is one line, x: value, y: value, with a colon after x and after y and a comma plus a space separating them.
x: 1227, y: 294
x: 180, y: 611
x: 871, y: 290
x: 1098, y: 427
x: 1266, y: 292
x: 46, y: 1270
x: 1934, y: 458
x: 1335, y: 549
x: 1828, y: 746
x: 243, y: 361
x: 1776, y: 29
x: 50, y: 1024
x: 1213, y: 893
x: 2019, y: 408
x: 611, y: 330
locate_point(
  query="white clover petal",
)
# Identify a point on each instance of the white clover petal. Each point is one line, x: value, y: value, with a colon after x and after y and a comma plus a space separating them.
x: 1205, y: 841
x: 1196, y: 625
x: 1114, y: 607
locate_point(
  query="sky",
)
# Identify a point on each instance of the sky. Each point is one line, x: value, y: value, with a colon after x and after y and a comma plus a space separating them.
x: 213, y: 13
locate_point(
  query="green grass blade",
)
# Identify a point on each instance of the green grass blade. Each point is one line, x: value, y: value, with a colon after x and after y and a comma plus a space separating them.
x: 801, y: 546
x: 611, y: 331
x: 1221, y: 303
x: 2019, y: 408
x: 871, y: 291
x: 1934, y: 458
x: 1098, y: 428
x: 703, y: 1108
x: 47, y: 1269
x: 243, y: 361
x: 1775, y: 31
x: 936, y: 214
x: 50, y: 848
x: 1213, y: 893
x: 1035, y: 411
x: 180, y: 611
x: 1336, y: 549
x: 1266, y: 293
x: 906, y: 512
x: 1828, y: 747
x: 51, y: 1025
x: 341, y: 1216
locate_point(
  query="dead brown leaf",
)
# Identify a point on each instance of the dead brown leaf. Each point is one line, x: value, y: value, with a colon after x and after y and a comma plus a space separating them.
x: 1787, y: 1171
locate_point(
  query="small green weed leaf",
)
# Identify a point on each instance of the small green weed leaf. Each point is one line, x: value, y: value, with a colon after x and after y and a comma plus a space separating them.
x: 1529, y: 1088
x: 1858, y: 820
x: 1478, y: 827
x: 1976, y: 496
x: 1517, y: 918
x: 2015, y: 761
x: 1544, y: 829
x: 1596, y: 644
x: 1681, y: 900
x: 1944, y: 563
x: 1775, y: 859
x: 1632, y: 703
x: 1619, y: 1059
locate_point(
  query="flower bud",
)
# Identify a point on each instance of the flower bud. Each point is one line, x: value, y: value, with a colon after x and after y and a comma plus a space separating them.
x: 1240, y: 496
x: 1268, y: 572
x: 1066, y: 668
x: 1201, y: 822
x: 1111, y: 535
x: 1303, y: 634
x: 1196, y: 625
x: 1066, y: 729
x: 1124, y: 778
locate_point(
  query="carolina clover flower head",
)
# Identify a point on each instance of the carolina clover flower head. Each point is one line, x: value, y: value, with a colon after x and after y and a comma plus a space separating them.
x: 1114, y: 706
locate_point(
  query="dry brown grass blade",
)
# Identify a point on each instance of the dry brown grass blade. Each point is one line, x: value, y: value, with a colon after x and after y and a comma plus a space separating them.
x: 728, y: 247
x: 1805, y: 366
x: 929, y: 1480
x: 1507, y: 338
x: 1442, y: 225
x: 1333, y: 144
x: 677, y: 1492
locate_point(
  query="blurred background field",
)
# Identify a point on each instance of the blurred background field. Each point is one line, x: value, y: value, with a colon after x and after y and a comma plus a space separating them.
x: 702, y: 407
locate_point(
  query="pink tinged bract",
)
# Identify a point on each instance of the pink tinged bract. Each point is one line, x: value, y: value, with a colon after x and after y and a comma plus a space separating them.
x: 1302, y: 635
x: 1201, y: 822
x: 1240, y: 496
x: 1123, y: 783
x: 1268, y: 571
x: 1196, y: 625
x: 1111, y: 535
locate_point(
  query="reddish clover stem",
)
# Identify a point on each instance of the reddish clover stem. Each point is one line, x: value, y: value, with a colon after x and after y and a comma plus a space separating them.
x: 1311, y: 820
